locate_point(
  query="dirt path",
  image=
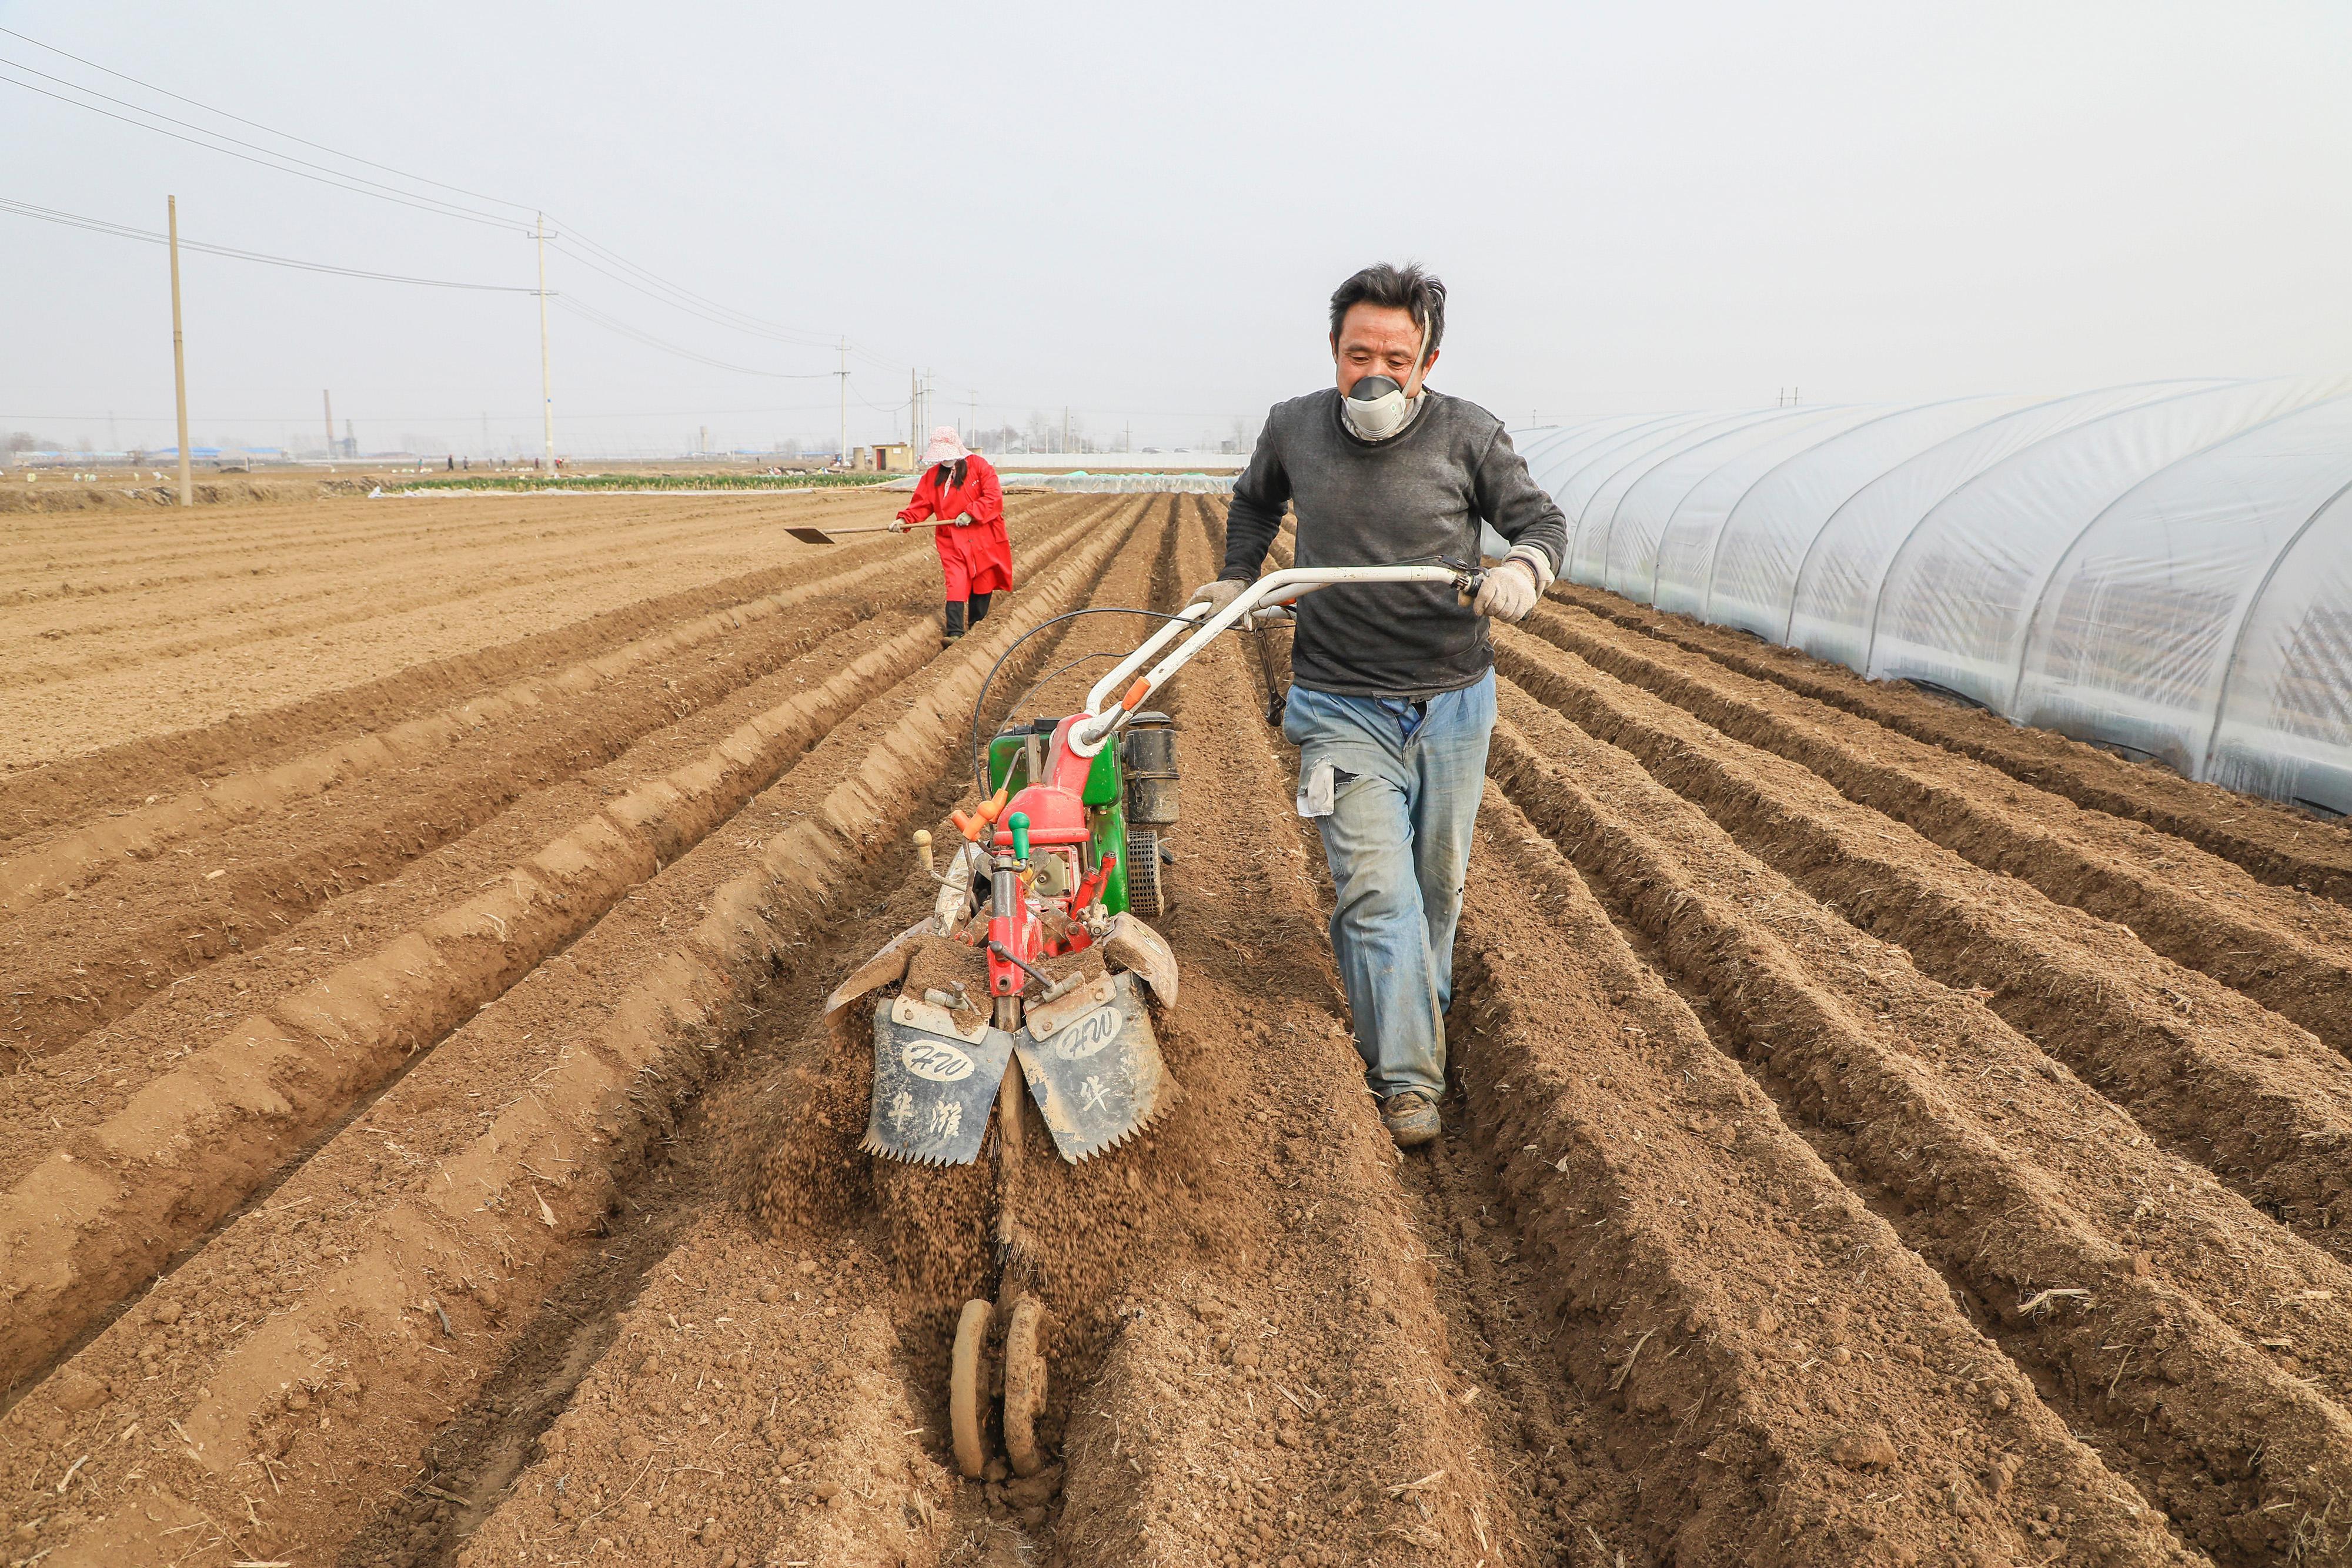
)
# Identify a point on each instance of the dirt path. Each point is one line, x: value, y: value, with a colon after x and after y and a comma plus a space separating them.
x: 131, y: 903
x: 2275, y: 843
x: 1257, y: 1362
x: 129, y: 627
x: 1992, y: 1161
x: 535, y: 1098
x: 129, y: 778
x: 2218, y: 1078
x: 2290, y: 950
x: 1850, y: 1156
x: 1777, y: 1368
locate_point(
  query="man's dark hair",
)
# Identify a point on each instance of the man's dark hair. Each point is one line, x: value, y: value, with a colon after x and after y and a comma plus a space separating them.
x: 1406, y: 287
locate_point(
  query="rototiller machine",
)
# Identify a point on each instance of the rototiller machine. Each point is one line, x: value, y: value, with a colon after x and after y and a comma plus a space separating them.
x: 1060, y: 867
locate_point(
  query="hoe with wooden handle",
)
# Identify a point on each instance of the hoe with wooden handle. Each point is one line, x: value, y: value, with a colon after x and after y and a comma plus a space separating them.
x: 820, y: 537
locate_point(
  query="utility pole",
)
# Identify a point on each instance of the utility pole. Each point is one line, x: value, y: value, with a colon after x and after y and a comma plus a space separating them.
x: 179, y: 354
x: 914, y: 410
x: 546, y: 381
x: 1066, y: 427
x: 327, y: 396
x: 842, y: 450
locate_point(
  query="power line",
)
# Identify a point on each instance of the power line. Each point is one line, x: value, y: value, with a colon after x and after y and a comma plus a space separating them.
x: 714, y: 317
x: 283, y: 135
x: 124, y: 231
x: 630, y: 274
x: 426, y: 205
x: 894, y: 410
x: 661, y: 289
x: 455, y: 210
x: 591, y: 314
x: 283, y: 417
x: 710, y: 310
x: 643, y: 279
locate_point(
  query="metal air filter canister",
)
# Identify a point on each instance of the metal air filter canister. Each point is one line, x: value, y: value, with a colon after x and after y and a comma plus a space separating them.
x: 1148, y: 757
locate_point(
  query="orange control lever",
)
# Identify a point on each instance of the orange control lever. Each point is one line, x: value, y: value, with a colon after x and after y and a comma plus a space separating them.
x: 982, y: 817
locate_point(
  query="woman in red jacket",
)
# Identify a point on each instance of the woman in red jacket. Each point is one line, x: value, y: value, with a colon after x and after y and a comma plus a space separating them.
x: 974, y: 551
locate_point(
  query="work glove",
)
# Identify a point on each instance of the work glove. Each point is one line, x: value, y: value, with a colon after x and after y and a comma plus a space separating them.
x: 898, y: 525
x: 1510, y: 590
x: 964, y: 520
x: 1218, y: 594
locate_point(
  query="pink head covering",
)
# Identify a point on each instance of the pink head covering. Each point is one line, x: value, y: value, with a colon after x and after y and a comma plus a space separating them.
x: 944, y: 447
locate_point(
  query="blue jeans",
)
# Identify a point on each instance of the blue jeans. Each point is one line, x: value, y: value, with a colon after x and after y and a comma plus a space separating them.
x: 1402, y: 797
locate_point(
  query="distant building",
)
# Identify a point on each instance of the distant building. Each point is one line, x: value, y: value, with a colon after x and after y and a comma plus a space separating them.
x: 890, y: 457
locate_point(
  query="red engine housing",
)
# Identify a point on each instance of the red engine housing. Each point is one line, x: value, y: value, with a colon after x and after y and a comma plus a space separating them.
x: 1055, y: 807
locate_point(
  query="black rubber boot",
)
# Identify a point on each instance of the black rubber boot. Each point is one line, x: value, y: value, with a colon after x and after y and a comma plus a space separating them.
x: 955, y: 619
x: 979, y: 608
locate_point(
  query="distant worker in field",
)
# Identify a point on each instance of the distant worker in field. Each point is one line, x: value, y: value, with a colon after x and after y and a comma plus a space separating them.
x: 1392, y: 698
x: 960, y: 488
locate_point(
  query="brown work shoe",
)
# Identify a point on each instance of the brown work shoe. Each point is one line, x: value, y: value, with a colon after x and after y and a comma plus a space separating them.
x: 1411, y: 1117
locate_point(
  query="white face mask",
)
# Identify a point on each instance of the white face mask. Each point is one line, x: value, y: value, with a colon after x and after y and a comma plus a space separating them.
x: 1376, y: 407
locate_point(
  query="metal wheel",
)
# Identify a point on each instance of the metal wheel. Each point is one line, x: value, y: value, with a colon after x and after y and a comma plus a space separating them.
x: 1145, y: 897
x: 968, y: 1389
x: 1025, y: 1384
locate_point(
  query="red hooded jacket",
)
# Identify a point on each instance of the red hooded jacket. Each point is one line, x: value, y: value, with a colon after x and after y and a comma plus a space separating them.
x: 977, y: 557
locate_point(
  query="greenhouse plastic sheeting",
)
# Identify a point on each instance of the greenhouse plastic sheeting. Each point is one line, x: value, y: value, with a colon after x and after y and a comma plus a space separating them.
x: 1554, y: 454
x: 1599, y: 524
x: 1837, y: 581
x: 2285, y: 726
x: 1686, y: 549
x: 1754, y: 570
x: 2163, y: 569
x: 1606, y: 460
x: 1549, y: 448
x: 2131, y: 644
x: 1627, y: 543
x: 1958, y: 597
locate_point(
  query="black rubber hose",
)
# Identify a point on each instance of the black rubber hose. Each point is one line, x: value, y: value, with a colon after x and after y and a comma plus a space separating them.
x: 980, y: 703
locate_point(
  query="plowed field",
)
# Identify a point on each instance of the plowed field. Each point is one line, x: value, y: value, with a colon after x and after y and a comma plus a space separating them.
x: 1876, y: 1138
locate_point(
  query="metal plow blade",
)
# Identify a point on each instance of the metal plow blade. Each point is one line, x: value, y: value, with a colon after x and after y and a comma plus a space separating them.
x: 934, y: 1082
x: 1093, y: 1066
x: 813, y: 536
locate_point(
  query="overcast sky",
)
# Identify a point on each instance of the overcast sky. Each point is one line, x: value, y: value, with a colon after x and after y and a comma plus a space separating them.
x: 1139, y: 212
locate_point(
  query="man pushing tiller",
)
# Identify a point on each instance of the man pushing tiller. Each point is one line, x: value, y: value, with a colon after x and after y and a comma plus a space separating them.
x: 1039, y: 948
x: 1394, y: 688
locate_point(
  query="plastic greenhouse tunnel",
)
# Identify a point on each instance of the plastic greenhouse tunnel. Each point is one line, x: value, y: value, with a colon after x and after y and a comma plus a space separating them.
x: 2163, y: 569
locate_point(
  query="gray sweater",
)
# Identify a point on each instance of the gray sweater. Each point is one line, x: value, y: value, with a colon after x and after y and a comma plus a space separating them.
x: 1417, y: 497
